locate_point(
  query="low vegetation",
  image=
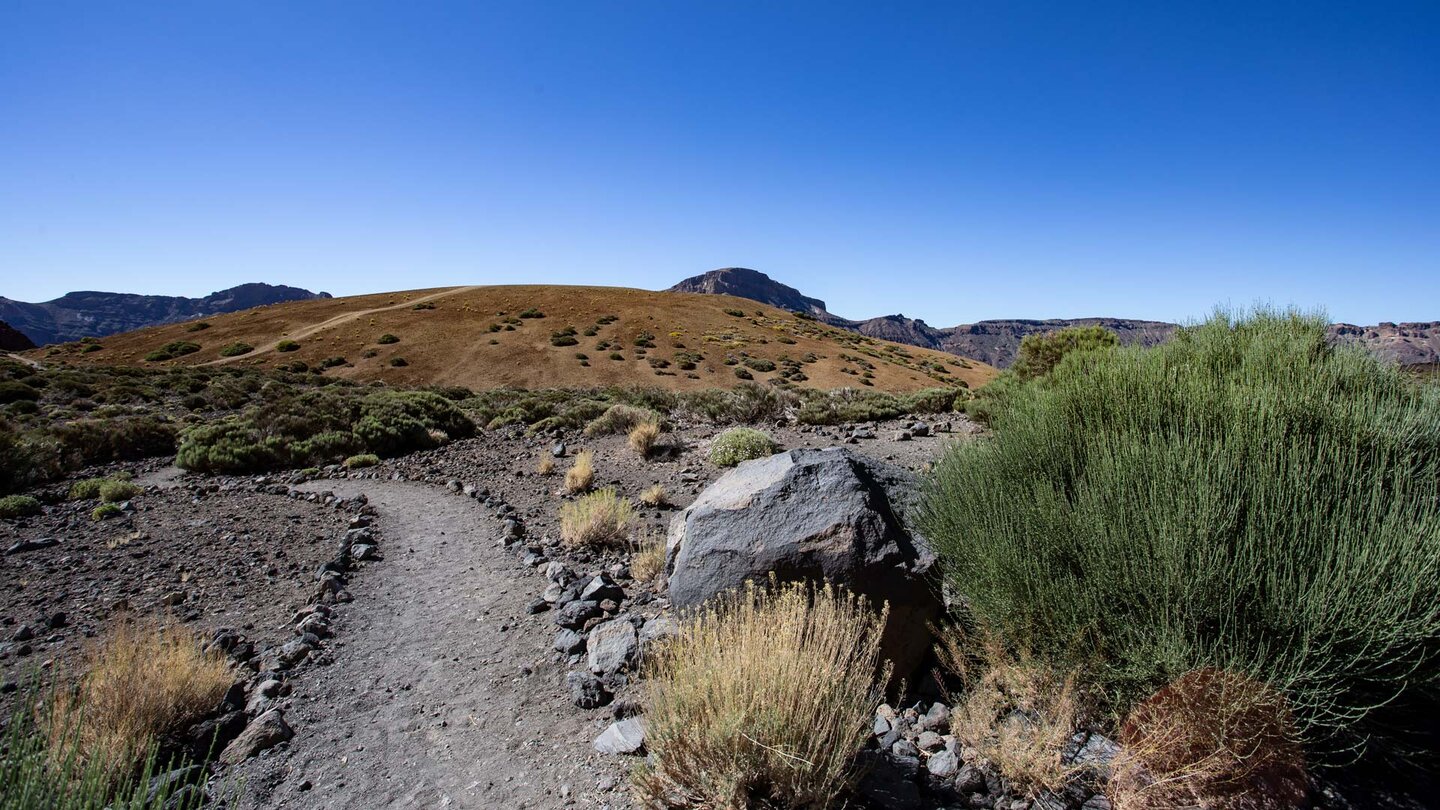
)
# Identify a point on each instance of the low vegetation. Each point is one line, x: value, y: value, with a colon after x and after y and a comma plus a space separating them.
x: 740, y: 444
x: 140, y: 683
x: 581, y: 473
x: 172, y: 350
x: 236, y: 349
x: 647, y: 556
x: 361, y: 460
x: 621, y: 418
x: 653, y: 496
x: 597, y: 519
x: 762, y: 700
x: 1040, y: 353
x: 643, y: 438
x: 14, y: 506
x: 1245, y: 498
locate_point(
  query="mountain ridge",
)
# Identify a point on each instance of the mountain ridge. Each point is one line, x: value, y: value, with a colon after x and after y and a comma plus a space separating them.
x: 996, y: 341
x: 93, y: 313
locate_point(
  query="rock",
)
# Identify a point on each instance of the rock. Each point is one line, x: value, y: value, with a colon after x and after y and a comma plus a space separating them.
x: 942, y: 764
x: 601, y: 588
x: 569, y: 642
x: 819, y: 515
x: 905, y: 749
x: 1096, y: 753
x: 929, y: 741
x: 658, y: 628
x: 614, y: 646
x: 1096, y: 802
x: 576, y: 613
x: 886, y: 783
x: 920, y: 429
x: 539, y: 605
x: 882, y: 727
x: 24, y: 633
x: 362, y: 552
x: 622, y: 737
x: 55, y: 621
x: 216, y: 733
x: 31, y: 545
x: 902, y: 436
x: 558, y: 451
x: 267, y: 731
x: 586, y: 690
x: 557, y: 573
x: 937, y: 719
x: 970, y: 779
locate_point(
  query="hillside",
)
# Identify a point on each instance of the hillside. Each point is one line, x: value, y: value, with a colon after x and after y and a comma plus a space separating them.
x: 96, y: 314
x: 13, y: 340
x: 540, y: 336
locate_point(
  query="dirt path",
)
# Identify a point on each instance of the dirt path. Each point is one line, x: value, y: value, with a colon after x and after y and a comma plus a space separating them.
x: 336, y: 321
x: 444, y: 692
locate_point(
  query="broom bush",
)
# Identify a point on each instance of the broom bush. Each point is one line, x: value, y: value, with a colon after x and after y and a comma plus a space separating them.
x: 1244, y: 497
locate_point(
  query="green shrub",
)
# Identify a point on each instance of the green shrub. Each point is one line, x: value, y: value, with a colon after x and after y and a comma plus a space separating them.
x: 105, y: 511
x: 759, y: 364
x: 1040, y: 353
x: 286, y: 346
x: 740, y: 444
x: 622, y: 419
x: 172, y: 350
x: 386, y: 339
x: 743, y: 374
x: 113, y: 491
x: 735, y: 313
x: 399, y: 362
x: 1244, y: 497
x: 13, y: 506
x: 744, y: 404
x: 532, y: 312
x: 11, y: 391
x: 355, y: 462
x: 198, y: 326
x: 236, y: 349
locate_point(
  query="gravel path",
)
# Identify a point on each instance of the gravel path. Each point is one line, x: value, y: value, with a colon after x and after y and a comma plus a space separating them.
x: 443, y: 691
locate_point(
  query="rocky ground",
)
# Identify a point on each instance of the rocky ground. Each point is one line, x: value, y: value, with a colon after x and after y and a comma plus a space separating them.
x: 429, y: 674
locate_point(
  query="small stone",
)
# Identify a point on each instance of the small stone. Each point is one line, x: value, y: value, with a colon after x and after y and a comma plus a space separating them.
x: 905, y: 749
x: 558, y: 451
x: 586, y: 690
x: 267, y: 731
x: 613, y: 646
x: 537, y: 606
x: 929, y: 741
x: 622, y: 737
x: 576, y: 613
x: 942, y: 764
x: 882, y: 726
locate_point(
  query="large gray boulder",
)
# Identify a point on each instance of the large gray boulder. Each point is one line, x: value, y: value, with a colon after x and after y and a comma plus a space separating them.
x: 823, y: 515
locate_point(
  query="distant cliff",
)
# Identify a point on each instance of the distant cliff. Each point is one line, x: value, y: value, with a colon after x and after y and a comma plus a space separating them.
x: 12, y: 340
x: 997, y: 341
x: 97, y: 314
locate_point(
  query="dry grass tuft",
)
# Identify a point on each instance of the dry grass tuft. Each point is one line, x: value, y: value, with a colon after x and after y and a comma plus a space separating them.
x: 621, y: 418
x: 140, y: 682
x: 647, y: 557
x: 581, y: 475
x: 546, y: 465
x: 1015, y: 713
x: 654, y: 496
x: 762, y: 700
x: 597, y: 519
x: 1212, y: 739
x: 643, y: 438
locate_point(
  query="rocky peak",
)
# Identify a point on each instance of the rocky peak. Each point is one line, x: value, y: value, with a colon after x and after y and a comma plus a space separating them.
x: 743, y: 282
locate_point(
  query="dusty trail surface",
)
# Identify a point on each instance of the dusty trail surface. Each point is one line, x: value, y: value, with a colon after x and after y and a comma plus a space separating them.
x: 444, y: 692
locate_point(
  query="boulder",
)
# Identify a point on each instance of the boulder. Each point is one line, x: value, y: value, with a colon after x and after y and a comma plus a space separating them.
x: 622, y: 737
x: 822, y: 515
x: 613, y: 645
x: 268, y: 730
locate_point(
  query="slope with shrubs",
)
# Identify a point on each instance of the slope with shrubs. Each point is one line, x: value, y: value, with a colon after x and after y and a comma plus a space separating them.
x: 538, y: 336
x: 1245, y: 498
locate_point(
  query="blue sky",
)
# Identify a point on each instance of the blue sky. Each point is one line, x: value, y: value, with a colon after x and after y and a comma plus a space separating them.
x: 952, y: 160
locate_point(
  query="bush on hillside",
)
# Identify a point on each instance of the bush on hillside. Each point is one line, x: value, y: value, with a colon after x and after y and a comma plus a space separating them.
x: 740, y: 444
x: 286, y: 346
x: 1244, y: 497
x: 236, y: 349
x: 12, y: 391
x: 172, y: 350
x: 386, y: 339
x: 13, y: 506
x: 621, y: 418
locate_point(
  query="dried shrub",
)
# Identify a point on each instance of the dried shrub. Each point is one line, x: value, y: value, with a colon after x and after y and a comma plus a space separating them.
x: 582, y: 473
x: 762, y: 700
x: 546, y: 465
x: 598, y: 519
x: 140, y: 683
x: 643, y: 437
x: 647, y: 557
x: 1211, y: 739
x: 621, y: 418
x: 1016, y: 713
x: 654, y: 496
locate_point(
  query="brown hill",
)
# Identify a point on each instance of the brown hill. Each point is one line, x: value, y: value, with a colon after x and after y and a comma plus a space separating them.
x: 540, y: 336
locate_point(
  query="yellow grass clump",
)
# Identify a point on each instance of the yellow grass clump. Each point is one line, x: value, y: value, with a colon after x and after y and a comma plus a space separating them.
x: 643, y: 438
x: 647, y: 557
x: 546, y: 465
x: 582, y: 474
x: 654, y: 496
x: 762, y: 700
x: 597, y: 519
x: 141, y: 682
x: 1014, y: 713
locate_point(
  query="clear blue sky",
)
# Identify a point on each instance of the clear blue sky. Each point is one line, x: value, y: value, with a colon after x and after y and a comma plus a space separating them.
x: 949, y: 160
